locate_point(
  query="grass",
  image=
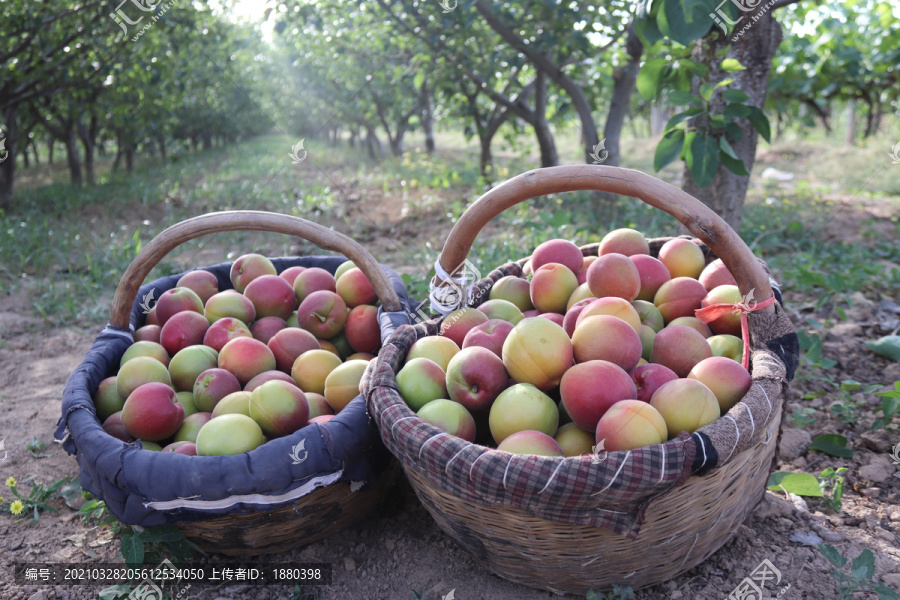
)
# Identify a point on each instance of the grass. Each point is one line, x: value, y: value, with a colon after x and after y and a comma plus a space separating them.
x: 65, y: 248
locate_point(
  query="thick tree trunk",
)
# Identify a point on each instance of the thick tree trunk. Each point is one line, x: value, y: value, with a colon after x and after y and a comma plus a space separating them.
x: 542, y: 132
x: 72, y: 157
x: 755, y: 50
x: 428, y: 118
x: 8, y: 166
x: 850, y: 134
x: 624, y: 79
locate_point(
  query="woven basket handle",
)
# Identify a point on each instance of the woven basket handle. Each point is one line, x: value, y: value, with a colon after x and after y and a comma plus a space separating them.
x: 696, y: 216
x: 244, y: 220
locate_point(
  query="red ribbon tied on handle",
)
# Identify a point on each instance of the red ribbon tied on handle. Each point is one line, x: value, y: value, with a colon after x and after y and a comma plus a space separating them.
x: 710, y: 313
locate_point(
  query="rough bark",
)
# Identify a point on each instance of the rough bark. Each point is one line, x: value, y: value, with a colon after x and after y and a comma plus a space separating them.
x: 755, y: 50
x: 624, y: 79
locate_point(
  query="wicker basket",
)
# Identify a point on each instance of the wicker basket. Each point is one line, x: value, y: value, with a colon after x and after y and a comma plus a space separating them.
x: 549, y: 522
x: 271, y: 503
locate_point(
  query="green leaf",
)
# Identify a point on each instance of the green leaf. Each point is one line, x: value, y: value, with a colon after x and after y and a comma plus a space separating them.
x: 684, y: 116
x: 733, y: 130
x: 888, y: 347
x: 685, y: 21
x: 737, y: 110
x: 727, y: 149
x: 648, y: 31
x: 832, y: 444
x: 832, y: 555
x: 802, y: 484
x: 735, y: 95
x: 668, y: 149
x: 886, y: 593
x: 732, y: 65
x: 706, y: 91
x: 132, y: 549
x: 702, y: 157
x: 679, y: 98
x: 735, y: 165
x: 419, y: 79
x: 650, y: 77
x: 890, y: 406
x: 725, y: 82
x: 698, y: 69
x: 761, y: 122
x: 863, y: 566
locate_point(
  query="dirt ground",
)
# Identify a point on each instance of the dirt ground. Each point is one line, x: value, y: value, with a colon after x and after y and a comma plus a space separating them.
x: 399, y: 550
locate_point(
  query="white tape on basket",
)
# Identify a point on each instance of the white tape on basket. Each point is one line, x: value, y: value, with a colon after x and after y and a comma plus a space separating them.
x: 454, y: 292
x: 257, y: 499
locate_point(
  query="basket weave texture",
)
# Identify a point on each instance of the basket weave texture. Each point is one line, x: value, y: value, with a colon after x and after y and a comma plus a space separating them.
x: 573, y: 524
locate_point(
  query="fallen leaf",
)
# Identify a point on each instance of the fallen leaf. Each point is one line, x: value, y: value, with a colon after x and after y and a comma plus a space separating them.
x: 888, y: 347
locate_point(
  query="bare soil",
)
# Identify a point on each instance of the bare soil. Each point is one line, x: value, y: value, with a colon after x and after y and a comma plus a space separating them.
x: 399, y: 549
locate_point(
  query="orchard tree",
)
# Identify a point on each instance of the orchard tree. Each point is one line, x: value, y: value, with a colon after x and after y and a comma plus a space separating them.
x: 724, y: 58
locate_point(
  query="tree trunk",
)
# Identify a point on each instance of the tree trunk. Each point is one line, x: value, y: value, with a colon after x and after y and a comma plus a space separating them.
x: 129, y: 156
x: 755, y: 50
x: 161, y: 140
x: 428, y: 118
x: 850, y: 134
x: 88, y: 141
x: 51, y: 142
x: 8, y: 166
x: 623, y: 87
x: 34, y: 150
x: 72, y: 157
x: 354, y: 132
x: 549, y: 157
x: 207, y: 140
x: 373, y: 144
x: 870, y: 118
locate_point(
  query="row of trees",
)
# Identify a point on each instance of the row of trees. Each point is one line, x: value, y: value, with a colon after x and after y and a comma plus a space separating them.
x: 706, y: 73
x: 497, y: 68
x: 74, y: 77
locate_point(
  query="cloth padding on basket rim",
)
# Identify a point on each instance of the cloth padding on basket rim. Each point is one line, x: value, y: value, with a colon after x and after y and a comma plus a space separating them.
x: 612, y: 493
x: 151, y: 488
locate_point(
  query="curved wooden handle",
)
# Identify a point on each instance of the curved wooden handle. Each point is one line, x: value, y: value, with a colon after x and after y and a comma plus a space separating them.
x: 244, y: 220
x: 696, y: 216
